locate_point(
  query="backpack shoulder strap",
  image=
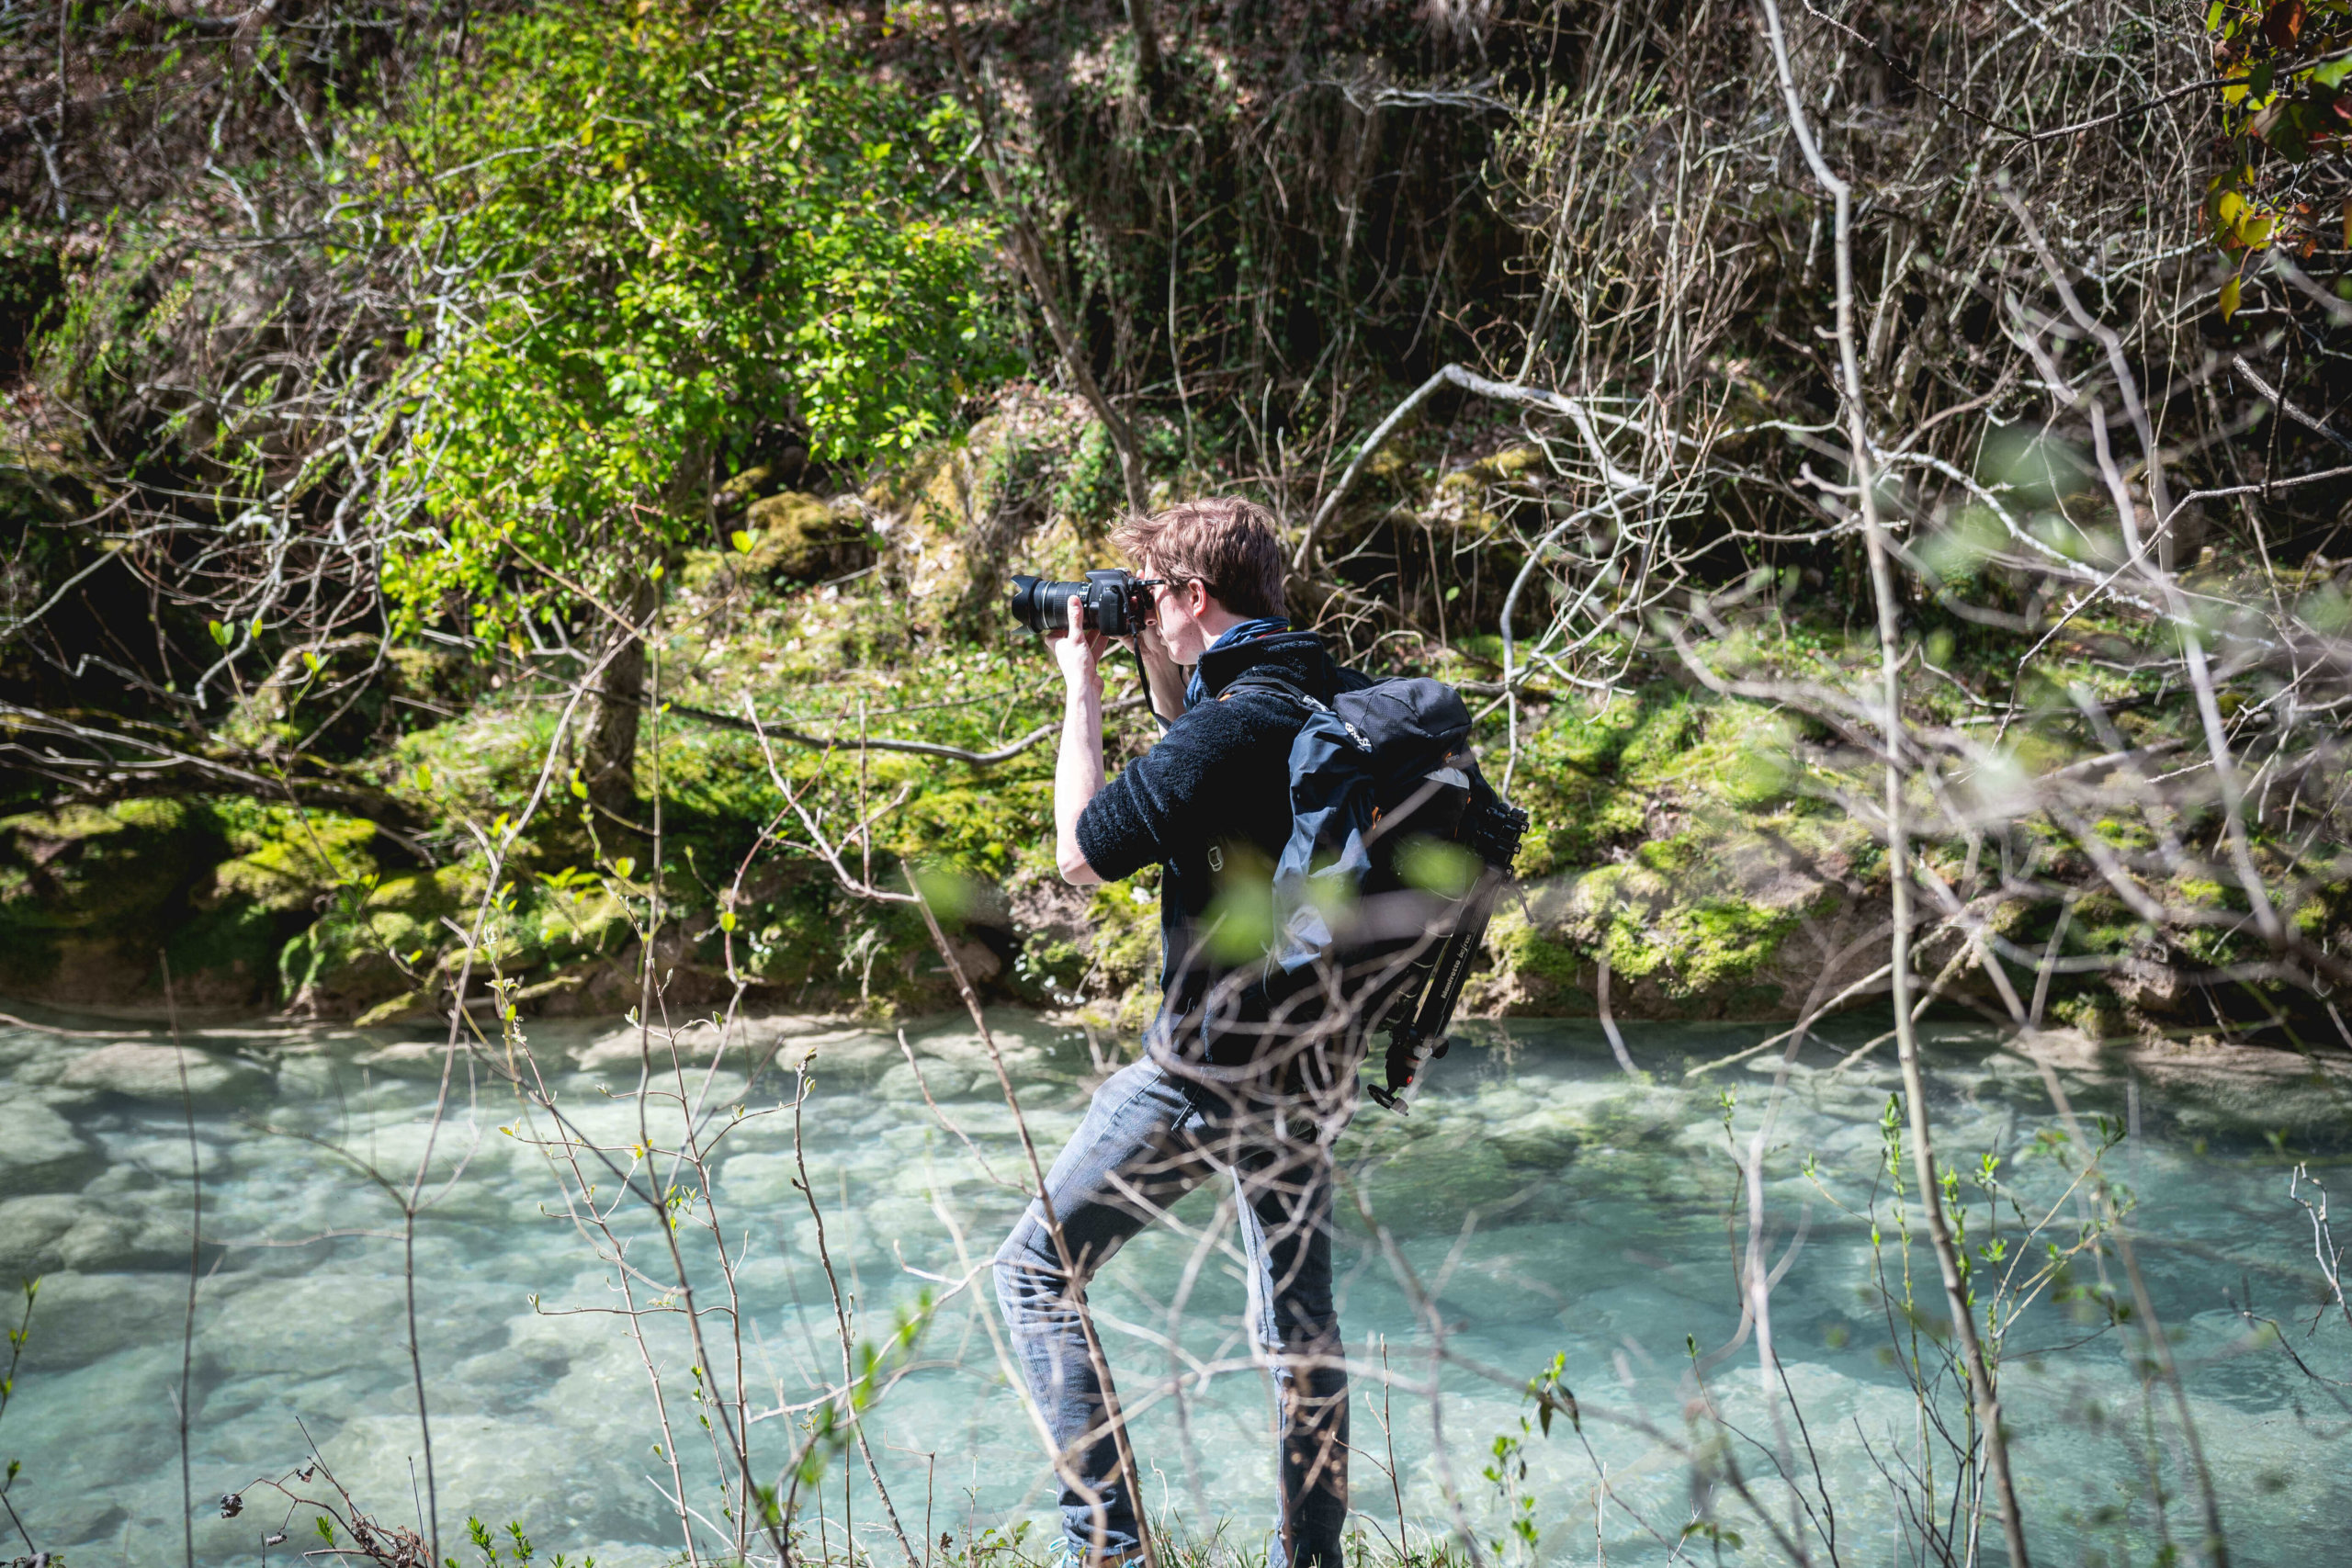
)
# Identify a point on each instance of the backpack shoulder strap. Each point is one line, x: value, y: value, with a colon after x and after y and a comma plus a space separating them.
x: 1264, y: 679
x: 1282, y: 685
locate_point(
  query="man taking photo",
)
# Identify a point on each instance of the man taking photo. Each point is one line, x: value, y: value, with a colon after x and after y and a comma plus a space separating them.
x: 1210, y: 804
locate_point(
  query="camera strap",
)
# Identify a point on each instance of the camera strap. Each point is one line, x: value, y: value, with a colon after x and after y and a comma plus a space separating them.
x: 1135, y: 646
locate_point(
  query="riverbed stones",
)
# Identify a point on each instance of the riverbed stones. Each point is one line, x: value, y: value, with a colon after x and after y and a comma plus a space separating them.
x: 139, y: 1071
x: 96, y: 1456
x: 1539, y: 1143
x: 49, y: 1231
x: 408, y: 1059
x: 39, y: 1147
x: 783, y: 1042
x: 81, y: 1317
x: 505, y: 1465
x: 945, y: 1080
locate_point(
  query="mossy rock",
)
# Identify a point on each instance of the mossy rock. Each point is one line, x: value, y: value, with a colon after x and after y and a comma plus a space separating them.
x: 82, y: 866
x: 578, y: 921
x: 287, y: 859
x: 1123, y: 948
x: 739, y: 491
x: 434, y: 675
x: 1696, y: 939
x: 800, y: 538
x: 227, y: 951
x: 88, y: 894
x: 372, y: 946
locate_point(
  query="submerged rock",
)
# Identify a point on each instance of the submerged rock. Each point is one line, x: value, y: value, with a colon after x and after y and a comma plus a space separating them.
x: 50, y: 1231
x: 153, y: 1072
x: 38, y: 1147
x: 89, y: 894
x: 943, y: 1081
x: 80, y: 1318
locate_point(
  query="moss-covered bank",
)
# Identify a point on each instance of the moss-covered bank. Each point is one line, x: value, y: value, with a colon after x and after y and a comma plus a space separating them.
x: 1697, y: 842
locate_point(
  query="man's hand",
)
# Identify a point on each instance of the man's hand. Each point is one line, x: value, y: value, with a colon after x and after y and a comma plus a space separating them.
x: 1080, y: 653
x: 1078, y: 763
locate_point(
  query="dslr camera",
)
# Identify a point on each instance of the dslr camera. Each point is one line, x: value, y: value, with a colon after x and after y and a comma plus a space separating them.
x: 1115, y: 602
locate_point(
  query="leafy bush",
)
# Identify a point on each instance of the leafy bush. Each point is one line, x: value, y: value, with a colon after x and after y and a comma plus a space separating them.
x: 670, y: 227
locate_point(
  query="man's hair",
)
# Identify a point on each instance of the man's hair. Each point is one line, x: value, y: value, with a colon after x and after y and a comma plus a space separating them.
x: 1223, y: 542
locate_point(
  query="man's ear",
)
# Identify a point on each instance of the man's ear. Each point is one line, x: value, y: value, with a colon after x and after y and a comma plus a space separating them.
x: 1196, y: 598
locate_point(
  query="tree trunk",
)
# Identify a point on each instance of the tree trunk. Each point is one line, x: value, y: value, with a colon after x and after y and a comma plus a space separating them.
x: 615, y: 710
x: 1147, y: 42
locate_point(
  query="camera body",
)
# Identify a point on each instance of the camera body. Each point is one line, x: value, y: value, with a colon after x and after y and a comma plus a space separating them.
x: 1115, y: 602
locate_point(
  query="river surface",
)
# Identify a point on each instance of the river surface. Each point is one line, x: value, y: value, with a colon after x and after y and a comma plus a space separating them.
x: 1538, y: 1203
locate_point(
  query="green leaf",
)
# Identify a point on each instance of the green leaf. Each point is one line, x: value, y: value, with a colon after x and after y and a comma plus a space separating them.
x: 220, y: 634
x: 2288, y: 135
x: 2229, y: 299
x: 623, y: 866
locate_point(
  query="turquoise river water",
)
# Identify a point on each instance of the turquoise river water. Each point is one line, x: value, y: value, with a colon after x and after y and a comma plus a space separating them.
x: 1538, y: 1203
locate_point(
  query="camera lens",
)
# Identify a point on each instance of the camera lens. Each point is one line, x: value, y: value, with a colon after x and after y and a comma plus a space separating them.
x: 1110, y: 602
x: 1023, y: 603
x: 1044, y: 606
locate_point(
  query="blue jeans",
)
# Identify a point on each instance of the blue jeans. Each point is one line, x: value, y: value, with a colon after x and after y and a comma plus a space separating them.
x: 1148, y: 1139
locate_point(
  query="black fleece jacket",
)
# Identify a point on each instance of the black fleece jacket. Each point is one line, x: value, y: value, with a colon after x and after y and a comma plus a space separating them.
x: 1211, y: 802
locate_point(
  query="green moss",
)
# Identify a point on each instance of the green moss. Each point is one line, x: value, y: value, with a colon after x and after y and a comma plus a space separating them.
x: 1124, y: 947
x: 237, y: 938
x: 478, y: 766
x: 86, y: 867
x: 1670, y: 855
x: 984, y: 827
x: 1528, y: 950
x: 1727, y: 940
x: 569, y: 917
x: 285, y: 858
x: 1661, y: 738
x: 372, y: 939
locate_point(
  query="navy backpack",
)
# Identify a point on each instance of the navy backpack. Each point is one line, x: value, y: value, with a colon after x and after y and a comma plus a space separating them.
x: 1397, y: 850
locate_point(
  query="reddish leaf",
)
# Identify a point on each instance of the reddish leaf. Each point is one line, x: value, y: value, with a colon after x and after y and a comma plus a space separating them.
x: 2283, y: 23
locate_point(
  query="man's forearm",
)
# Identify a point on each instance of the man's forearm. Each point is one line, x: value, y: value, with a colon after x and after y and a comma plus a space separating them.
x: 1077, y: 777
